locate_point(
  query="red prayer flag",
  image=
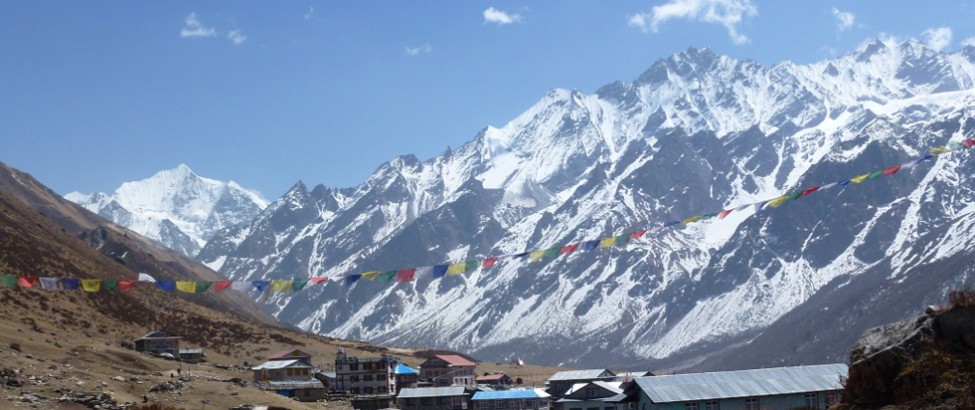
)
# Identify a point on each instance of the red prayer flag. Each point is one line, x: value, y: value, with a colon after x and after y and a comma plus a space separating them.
x: 724, y: 213
x: 568, y: 248
x: 126, y: 285
x: 969, y: 143
x: 317, y: 279
x: 405, y: 275
x: 489, y: 262
x: 26, y: 281
x: 892, y: 170
x: 637, y: 234
x: 809, y: 190
x: 221, y: 285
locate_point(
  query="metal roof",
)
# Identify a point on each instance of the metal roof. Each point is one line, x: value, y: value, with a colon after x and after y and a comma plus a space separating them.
x: 612, y: 387
x: 742, y: 383
x: 191, y: 351
x: 294, y: 384
x: 510, y: 394
x: 281, y: 364
x: 411, y: 392
x: 589, y: 374
x: 404, y: 369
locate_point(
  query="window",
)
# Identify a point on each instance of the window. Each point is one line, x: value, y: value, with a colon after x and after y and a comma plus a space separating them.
x: 712, y: 405
x: 499, y: 404
x: 425, y: 401
x: 367, y: 378
x: 368, y: 390
x: 291, y: 372
x: 812, y: 400
x: 457, y: 402
x: 690, y: 405
x: 591, y: 393
x: 751, y: 403
x: 354, y: 366
x: 354, y: 379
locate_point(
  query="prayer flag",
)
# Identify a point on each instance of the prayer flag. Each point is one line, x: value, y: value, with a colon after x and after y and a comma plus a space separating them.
x: 202, y: 286
x: 638, y: 234
x: 424, y: 271
x: 892, y: 170
x: 828, y: 186
x: 317, y: 279
x: 26, y: 281
x: 759, y: 205
x: 241, y: 286
x: 457, y: 268
x: 743, y: 207
x: 261, y: 285
x: 810, y: 190
x: 489, y: 262
x: 110, y: 285
x: 440, y: 270
x: 70, y: 283
x: 281, y: 285
x: 708, y: 216
x: 126, y: 285
x: 472, y: 266
x: 968, y: 142
x: 349, y: 280
x: 569, y: 248
x: 537, y: 256
x: 219, y: 286
x: 874, y: 175
x: 370, y: 275
x: 387, y: 276
x: 188, y: 286
x: 955, y: 145
x: 49, y: 283
x: 794, y: 196
x: 607, y: 242
x: 844, y: 182
x: 939, y: 150
x: 724, y: 213
x: 521, y: 255
x: 166, y: 285
x: 671, y: 223
x: 299, y: 284
x: 622, y: 240
x: 405, y: 275
x: 91, y: 285
x: 692, y: 219
x: 589, y: 245
x: 145, y: 277
x: 553, y: 252
x: 9, y: 281
x: 777, y: 202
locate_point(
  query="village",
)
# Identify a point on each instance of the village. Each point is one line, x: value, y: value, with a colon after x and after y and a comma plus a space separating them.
x: 452, y: 382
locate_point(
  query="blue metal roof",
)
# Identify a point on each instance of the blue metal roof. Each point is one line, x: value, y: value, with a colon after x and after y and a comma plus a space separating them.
x: 404, y: 369
x: 509, y: 394
x: 742, y: 383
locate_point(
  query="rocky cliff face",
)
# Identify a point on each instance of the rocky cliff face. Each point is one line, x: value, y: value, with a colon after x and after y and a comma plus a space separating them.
x: 927, y: 362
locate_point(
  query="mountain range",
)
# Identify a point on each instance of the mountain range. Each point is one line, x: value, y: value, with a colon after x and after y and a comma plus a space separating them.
x: 696, y: 133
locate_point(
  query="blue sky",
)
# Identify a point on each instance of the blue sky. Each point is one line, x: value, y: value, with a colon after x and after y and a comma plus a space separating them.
x: 96, y: 93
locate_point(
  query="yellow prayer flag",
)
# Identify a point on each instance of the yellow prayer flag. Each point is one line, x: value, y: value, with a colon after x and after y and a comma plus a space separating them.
x: 91, y: 285
x: 188, y: 286
x: 457, y: 268
x: 777, y: 202
x: 536, y: 256
x: 370, y: 275
x: 692, y: 219
x: 859, y: 179
x: 283, y: 285
x: 607, y: 242
x: 939, y: 150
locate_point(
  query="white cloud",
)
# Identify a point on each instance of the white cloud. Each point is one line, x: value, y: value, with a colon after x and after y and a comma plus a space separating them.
x: 194, y: 28
x: 236, y: 37
x: 968, y: 42
x: 846, y: 19
x: 493, y: 15
x: 728, y: 13
x: 310, y: 13
x: 937, y: 38
x: 423, y: 49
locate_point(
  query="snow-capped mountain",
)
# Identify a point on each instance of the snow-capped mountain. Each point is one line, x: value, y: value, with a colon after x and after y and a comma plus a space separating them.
x: 176, y: 207
x: 696, y: 133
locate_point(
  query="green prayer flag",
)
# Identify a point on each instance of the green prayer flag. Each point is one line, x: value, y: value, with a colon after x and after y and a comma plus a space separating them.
x: 387, y: 276
x: 202, y: 286
x: 553, y: 253
x: 622, y: 239
x: 875, y: 175
x: 10, y: 281
x: 298, y: 284
x: 110, y: 285
x: 795, y: 196
x: 472, y: 266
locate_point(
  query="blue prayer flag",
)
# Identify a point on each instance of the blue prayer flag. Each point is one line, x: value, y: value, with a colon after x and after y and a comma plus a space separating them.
x: 349, y: 280
x: 261, y: 284
x: 166, y: 285
x: 440, y: 270
x: 70, y: 283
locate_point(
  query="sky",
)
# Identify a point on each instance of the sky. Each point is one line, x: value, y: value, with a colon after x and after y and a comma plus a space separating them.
x: 96, y: 93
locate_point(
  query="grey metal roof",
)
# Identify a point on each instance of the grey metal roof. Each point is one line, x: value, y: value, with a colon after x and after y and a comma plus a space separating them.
x: 191, y: 351
x: 281, y: 364
x: 430, y: 392
x: 612, y: 387
x: 293, y: 384
x: 588, y: 374
x: 742, y: 383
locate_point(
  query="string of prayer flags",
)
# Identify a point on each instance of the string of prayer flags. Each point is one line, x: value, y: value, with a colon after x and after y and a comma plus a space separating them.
x: 91, y: 285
